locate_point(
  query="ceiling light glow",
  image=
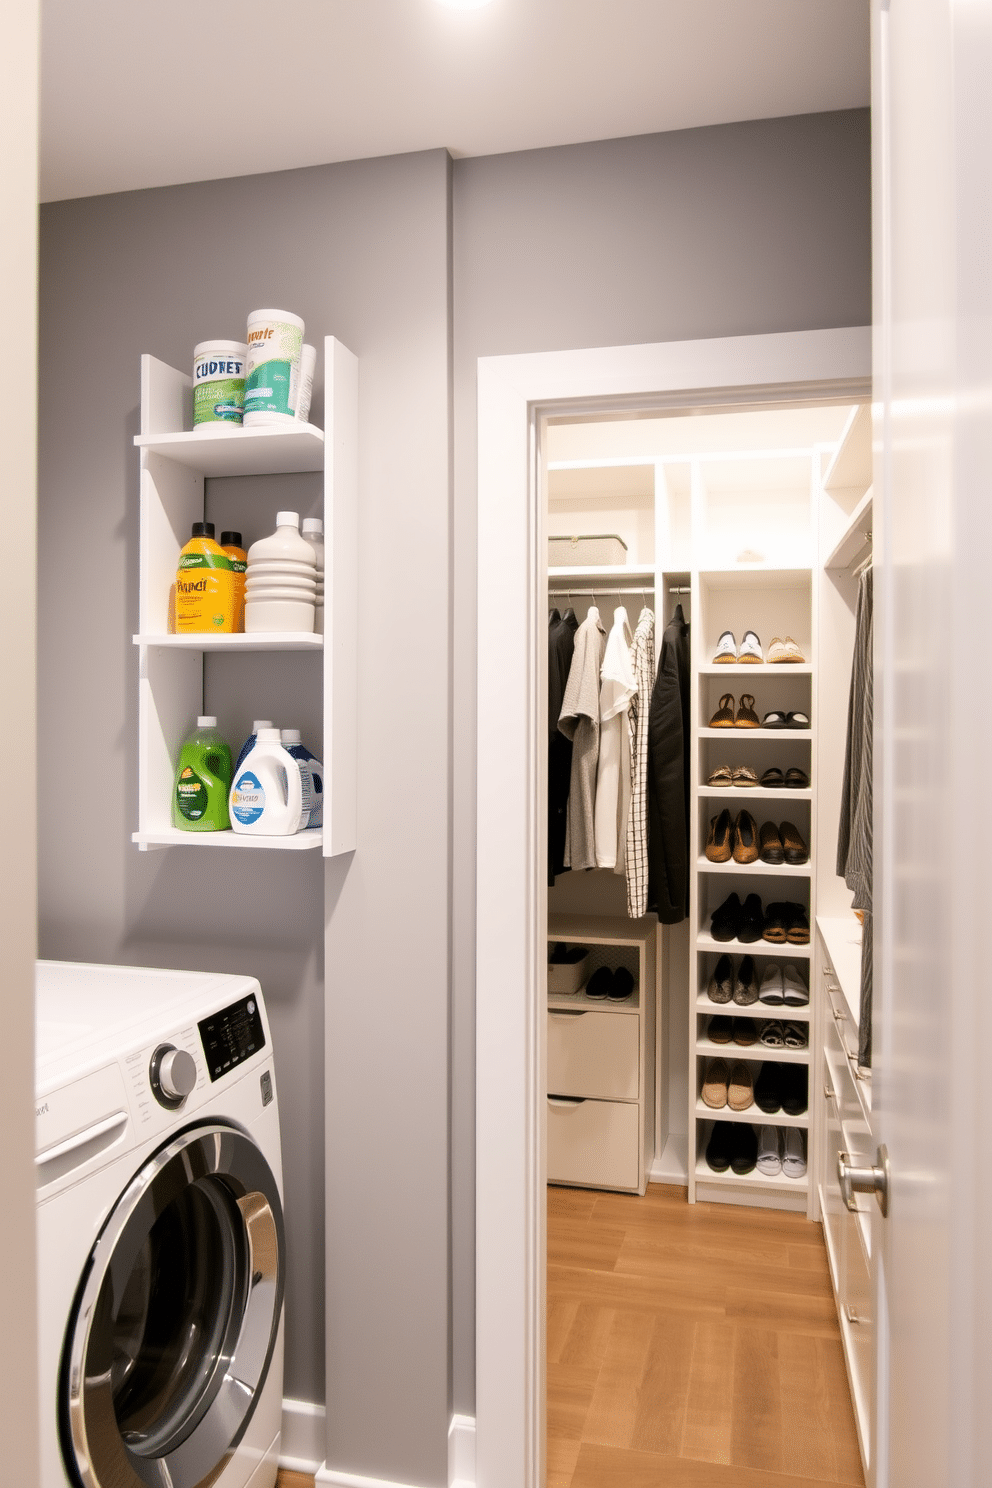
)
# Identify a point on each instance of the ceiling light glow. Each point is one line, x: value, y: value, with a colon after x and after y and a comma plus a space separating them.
x: 464, y: 4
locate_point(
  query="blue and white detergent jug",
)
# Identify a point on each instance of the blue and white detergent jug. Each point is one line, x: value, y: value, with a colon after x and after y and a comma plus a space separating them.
x: 312, y: 776
x: 267, y: 795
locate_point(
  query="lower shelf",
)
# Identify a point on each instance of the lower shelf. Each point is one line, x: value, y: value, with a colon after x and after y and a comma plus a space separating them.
x: 779, y: 1182
x: 172, y: 837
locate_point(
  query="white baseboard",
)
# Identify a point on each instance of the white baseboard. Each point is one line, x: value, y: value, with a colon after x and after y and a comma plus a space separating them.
x: 303, y: 1436
x: 461, y: 1452
x: 672, y: 1166
x: 303, y: 1448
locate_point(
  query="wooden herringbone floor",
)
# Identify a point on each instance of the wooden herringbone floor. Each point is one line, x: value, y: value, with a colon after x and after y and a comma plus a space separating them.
x: 691, y: 1347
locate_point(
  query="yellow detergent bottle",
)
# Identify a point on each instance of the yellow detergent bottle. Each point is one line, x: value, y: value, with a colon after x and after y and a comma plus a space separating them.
x: 231, y: 543
x: 206, y: 594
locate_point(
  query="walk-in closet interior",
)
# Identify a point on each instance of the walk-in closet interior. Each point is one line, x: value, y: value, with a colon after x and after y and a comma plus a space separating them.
x: 710, y: 569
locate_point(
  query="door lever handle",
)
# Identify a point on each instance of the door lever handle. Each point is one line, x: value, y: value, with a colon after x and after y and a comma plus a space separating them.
x: 855, y: 1179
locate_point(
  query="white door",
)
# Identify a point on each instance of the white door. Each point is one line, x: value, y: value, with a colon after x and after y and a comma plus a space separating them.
x: 932, y: 122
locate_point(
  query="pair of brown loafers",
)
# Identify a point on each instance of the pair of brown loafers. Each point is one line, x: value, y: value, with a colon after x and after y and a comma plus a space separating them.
x: 732, y: 837
x: 782, y: 844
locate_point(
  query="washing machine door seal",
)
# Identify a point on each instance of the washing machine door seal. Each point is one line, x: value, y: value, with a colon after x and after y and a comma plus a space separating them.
x: 176, y: 1317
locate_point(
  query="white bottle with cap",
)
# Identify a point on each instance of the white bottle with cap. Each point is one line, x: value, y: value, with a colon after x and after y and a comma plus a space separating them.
x: 281, y: 579
x: 313, y: 533
x: 249, y: 744
x: 266, y: 798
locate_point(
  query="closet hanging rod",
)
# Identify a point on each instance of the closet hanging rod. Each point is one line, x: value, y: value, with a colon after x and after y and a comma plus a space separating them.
x: 580, y: 589
x: 679, y: 589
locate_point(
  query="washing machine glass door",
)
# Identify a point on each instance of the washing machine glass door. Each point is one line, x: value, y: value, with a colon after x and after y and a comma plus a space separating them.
x: 176, y: 1320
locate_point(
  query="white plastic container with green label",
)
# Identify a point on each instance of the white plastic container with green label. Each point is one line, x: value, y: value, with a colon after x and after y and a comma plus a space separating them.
x: 219, y: 384
x: 272, y: 384
x: 267, y: 795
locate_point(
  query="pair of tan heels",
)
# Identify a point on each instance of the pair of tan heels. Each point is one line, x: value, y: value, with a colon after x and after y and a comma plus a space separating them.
x: 744, y: 716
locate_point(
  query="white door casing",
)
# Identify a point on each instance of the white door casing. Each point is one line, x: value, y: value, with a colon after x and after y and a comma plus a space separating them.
x: 512, y: 896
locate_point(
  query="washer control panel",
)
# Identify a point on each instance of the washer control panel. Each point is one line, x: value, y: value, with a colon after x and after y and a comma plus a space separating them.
x: 231, y: 1036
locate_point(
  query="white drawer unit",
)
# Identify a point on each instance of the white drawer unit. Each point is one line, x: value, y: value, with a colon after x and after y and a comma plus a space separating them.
x: 601, y: 1060
x: 847, y: 1128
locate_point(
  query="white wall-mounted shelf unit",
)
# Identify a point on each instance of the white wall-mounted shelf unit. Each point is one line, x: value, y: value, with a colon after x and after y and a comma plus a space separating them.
x: 175, y: 463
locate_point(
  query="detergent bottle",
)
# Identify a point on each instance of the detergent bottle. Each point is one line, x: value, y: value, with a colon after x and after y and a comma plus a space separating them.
x: 232, y: 545
x: 203, y: 780
x: 267, y: 795
x: 249, y: 743
x: 312, y: 776
x: 205, y: 593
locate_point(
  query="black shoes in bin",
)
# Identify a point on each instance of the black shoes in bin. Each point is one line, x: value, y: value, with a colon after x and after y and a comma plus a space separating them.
x: 608, y: 985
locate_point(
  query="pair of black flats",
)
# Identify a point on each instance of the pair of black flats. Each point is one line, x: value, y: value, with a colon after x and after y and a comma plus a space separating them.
x: 607, y: 985
x: 780, y: 924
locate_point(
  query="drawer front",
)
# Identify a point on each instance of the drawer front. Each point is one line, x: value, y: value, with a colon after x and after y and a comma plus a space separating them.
x: 593, y: 1054
x: 838, y: 1019
x: 593, y: 1143
x: 832, y: 1205
x: 860, y: 1328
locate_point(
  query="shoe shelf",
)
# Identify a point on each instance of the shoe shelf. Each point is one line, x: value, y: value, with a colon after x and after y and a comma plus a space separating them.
x: 750, y: 1052
x: 752, y: 1010
x: 562, y: 1002
x: 705, y: 1174
x: 740, y: 795
x: 756, y: 670
x: 706, y: 942
x: 176, y: 680
x: 754, y: 1114
x: 754, y: 733
x: 759, y: 869
x: 773, y: 603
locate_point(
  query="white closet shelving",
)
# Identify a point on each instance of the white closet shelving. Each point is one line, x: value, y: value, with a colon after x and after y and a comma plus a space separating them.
x: 175, y: 463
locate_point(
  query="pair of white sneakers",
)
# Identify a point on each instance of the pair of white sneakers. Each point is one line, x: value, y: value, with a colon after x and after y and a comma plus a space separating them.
x: 783, y: 986
x: 781, y: 1150
x: 749, y: 654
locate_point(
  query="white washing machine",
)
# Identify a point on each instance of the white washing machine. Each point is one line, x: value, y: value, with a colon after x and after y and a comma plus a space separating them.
x: 161, y: 1251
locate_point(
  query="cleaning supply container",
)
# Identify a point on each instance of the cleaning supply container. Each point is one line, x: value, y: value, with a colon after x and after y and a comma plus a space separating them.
x: 219, y: 384
x: 281, y: 582
x: 267, y: 795
x: 205, y: 590
x: 249, y: 743
x: 203, y: 780
x: 312, y: 775
x: 275, y: 349
x: 308, y: 363
x: 231, y: 543
x: 313, y: 533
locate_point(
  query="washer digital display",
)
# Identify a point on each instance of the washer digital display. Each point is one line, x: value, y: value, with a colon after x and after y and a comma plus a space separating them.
x: 231, y: 1036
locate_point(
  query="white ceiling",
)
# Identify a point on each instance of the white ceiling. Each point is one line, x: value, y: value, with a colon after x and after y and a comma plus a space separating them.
x: 137, y: 94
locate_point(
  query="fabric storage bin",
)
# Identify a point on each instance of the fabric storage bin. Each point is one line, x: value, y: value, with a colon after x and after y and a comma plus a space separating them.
x: 566, y: 977
x: 594, y: 551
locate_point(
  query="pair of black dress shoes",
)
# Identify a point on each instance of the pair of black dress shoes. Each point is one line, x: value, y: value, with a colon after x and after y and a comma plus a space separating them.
x: 607, y: 985
x: 780, y: 924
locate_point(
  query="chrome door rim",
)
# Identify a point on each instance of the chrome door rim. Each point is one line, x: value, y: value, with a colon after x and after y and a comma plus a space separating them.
x: 233, y: 1174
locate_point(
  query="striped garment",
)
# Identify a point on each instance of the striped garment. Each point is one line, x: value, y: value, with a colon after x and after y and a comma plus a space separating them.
x: 642, y: 663
x: 854, y: 837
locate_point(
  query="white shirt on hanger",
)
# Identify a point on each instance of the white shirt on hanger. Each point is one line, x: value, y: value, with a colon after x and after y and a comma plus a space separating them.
x: 618, y: 686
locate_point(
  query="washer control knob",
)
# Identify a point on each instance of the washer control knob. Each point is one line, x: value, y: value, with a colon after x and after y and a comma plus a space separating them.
x: 172, y: 1073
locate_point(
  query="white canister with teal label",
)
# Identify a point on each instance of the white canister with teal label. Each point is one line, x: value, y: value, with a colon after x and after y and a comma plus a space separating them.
x: 219, y: 384
x: 266, y: 798
x: 275, y: 347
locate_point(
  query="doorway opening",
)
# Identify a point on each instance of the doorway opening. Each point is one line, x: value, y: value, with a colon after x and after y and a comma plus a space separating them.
x: 517, y: 394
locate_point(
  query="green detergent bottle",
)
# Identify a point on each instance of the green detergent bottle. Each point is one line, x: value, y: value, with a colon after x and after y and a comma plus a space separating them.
x: 203, y: 781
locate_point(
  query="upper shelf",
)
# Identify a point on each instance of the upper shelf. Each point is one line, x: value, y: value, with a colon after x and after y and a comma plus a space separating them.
x: 638, y: 576
x: 851, y: 466
x: 221, y: 451
x: 256, y: 640
x: 856, y: 535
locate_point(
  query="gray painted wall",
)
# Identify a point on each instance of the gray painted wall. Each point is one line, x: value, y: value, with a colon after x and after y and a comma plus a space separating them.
x: 361, y: 251
x: 749, y: 228
x: 728, y: 231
